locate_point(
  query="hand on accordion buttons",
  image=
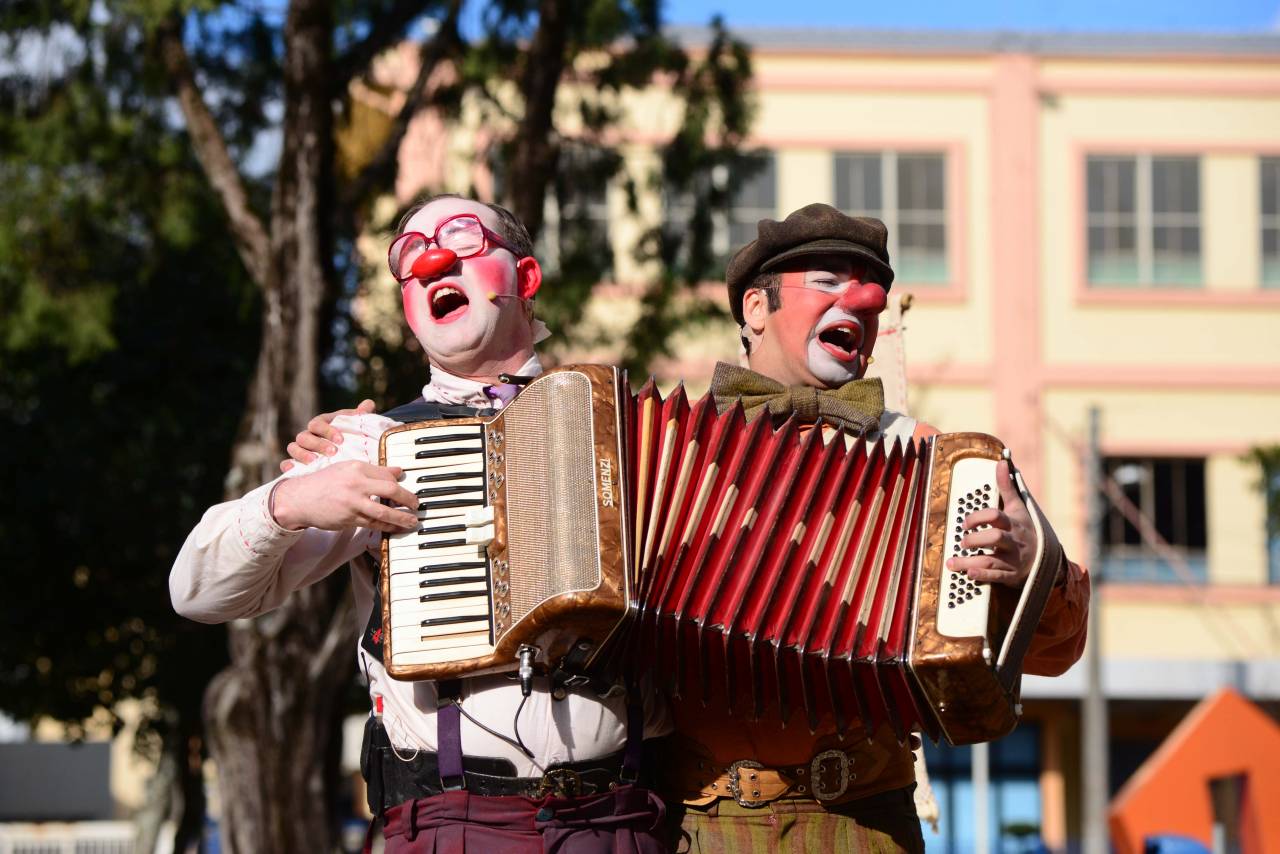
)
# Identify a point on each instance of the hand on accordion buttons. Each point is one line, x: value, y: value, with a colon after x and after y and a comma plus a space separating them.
x: 320, y: 436
x: 345, y: 495
x: 1010, y: 537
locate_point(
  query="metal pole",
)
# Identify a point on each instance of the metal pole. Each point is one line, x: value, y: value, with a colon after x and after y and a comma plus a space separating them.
x: 1094, y: 759
x: 981, y: 775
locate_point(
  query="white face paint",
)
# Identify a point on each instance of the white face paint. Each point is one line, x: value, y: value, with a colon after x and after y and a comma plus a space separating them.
x: 832, y: 352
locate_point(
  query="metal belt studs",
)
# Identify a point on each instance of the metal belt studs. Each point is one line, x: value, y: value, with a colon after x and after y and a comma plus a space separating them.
x: 735, y: 783
x: 830, y: 773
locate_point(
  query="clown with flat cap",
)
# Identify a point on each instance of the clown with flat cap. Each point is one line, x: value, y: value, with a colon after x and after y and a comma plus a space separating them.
x: 807, y: 293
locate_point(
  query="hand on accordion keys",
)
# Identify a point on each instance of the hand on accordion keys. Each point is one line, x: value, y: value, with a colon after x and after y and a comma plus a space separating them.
x: 344, y: 495
x: 1006, y: 532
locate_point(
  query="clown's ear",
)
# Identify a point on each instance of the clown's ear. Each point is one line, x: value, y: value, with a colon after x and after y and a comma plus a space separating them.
x: 528, y: 277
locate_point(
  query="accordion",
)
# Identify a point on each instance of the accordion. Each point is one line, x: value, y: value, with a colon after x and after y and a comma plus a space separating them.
x: 771, y: 570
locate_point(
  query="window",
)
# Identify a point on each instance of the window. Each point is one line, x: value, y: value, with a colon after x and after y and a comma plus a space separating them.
x: 751, y: 190
x: 1270, y: 168
x: 1143, y: 221
x: 576, y: 231
x: 908, y: 192
x: 1013, y: 797
x: 1170, y: 494
x: 754, y: 197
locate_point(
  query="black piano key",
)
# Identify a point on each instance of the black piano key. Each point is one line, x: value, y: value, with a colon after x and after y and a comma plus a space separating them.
x: 450, y: 490
x: 443, y: 529
x: 451, y: 475
x: 453, y: 579
x: 443, y: 544
x: 456, y: 502
x: 463, y: 594
x: 451, y: 567
x: 448, y: 437
x: 437, y: 453
x: 449, y: 621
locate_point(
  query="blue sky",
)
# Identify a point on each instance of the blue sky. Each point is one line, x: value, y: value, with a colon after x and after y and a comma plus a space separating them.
x: 1222, y: 16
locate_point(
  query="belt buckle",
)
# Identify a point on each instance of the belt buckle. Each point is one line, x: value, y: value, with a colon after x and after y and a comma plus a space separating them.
x: 820, y: 768
x: 735, y: 784
x: 561, y: 782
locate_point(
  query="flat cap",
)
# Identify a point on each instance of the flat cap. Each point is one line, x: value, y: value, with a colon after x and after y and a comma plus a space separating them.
x: 815, y: 229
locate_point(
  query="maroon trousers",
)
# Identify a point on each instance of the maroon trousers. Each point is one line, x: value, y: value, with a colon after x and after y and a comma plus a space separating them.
x: 629, y: 820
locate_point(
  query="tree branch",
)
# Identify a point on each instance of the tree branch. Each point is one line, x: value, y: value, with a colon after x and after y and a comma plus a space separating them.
x: 381, y: 168
x: 388, y: 27
x: 211, y: 151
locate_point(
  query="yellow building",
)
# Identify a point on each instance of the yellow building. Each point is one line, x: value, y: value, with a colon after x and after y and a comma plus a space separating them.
x: 1083, y: 221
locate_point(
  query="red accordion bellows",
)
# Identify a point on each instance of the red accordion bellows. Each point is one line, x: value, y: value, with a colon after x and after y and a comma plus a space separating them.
x: 774, y: 571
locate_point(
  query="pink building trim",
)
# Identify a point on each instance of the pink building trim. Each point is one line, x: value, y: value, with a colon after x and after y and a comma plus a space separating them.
x: 1015, y: 240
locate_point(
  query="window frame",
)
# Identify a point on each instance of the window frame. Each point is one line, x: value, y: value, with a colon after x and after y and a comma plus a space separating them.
x: 1146, y: 220
x: 1268, y: 222
x: 891, y: 211
x: 1124, y: 563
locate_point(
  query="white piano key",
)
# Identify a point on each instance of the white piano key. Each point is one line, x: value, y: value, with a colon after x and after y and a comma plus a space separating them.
x: 464, y: 455
x: 437, y: 556
x: 407, y: 611
x: 409, y: 438
x: 410, y: 584
x: 415, y: 593
x: 477, y: 516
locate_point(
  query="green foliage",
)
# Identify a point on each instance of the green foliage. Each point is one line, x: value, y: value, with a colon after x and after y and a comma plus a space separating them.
x: 127, y: 329
x: 613, y: 47
x: 1267, y: 459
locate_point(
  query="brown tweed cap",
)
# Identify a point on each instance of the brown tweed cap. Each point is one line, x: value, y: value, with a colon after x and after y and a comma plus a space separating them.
x: 815, y: 229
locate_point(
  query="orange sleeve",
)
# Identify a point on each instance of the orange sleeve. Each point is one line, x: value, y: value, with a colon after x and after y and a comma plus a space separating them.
x: 1059, y: 641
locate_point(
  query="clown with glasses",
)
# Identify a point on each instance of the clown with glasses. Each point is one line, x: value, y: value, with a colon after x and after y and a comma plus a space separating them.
x: 468, y: 764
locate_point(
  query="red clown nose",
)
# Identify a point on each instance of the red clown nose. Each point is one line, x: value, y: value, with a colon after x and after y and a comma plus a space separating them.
x: 433, y: 262
x: 860, y: 297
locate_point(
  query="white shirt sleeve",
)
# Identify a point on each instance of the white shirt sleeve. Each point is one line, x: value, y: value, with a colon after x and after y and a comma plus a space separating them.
x: 239, y: 563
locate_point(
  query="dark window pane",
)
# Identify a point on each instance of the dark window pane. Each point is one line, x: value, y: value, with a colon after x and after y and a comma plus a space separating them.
x: 927, y: 238
x: 1196, y: 535
x: 921, y: 182
x: 755, y: 184
x: 1112, y: 184
x: 858, y: 186
x: 1270, y: 168
x: 1176, y: 240
x: 1271, y: 241
x: 1175, y: 185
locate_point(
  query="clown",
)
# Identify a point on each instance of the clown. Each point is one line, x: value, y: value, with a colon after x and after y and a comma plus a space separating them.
x: 807, y: 293
x: 446, y: 764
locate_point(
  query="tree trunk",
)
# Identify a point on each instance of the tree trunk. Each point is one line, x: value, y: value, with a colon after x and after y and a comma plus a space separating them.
x: 533, y: 161
x: 268, y: 716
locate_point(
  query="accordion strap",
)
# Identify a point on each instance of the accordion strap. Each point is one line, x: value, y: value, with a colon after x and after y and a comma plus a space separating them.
x: 449, y: 733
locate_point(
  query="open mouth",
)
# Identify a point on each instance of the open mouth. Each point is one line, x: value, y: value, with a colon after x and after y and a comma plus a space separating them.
x: 447, y: 303
x: 842, y: 340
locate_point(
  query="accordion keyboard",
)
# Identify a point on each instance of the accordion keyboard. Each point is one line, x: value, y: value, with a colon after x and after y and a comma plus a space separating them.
x: 972, y: 488
x: 440, y: 598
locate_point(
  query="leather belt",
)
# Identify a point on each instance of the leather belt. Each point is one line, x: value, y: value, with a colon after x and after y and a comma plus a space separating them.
x: 825, y: 778
x: 834, y: 775
x: 394, y: 780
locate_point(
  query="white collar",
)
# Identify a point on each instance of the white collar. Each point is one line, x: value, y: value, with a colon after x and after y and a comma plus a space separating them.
x: 460, y: 391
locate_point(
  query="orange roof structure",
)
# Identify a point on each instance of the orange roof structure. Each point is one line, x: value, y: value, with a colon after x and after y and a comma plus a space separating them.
x: 1224, y: 736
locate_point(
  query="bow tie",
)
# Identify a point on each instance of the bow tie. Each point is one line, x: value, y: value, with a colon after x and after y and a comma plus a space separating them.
x: 856, y: 406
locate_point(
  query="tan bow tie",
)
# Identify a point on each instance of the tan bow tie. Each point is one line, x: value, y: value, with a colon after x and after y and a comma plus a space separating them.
x: 856, y: 406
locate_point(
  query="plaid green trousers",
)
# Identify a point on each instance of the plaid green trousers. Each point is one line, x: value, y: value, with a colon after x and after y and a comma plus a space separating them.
x: 886, y: 823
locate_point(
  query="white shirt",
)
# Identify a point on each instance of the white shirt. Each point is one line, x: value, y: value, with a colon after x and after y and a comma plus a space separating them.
x: 239, y: 563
